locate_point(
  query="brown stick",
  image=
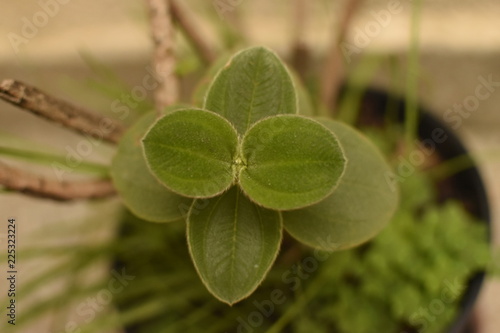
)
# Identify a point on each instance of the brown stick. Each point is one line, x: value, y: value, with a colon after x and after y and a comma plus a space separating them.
x: 51, y: 108
x: 167, y: 92
x: 181, y: 16
x: 334, y: 72
x: 300, y: 52
x: 22, y: 181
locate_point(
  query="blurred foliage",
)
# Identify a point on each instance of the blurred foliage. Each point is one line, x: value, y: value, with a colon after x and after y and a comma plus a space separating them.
x: 419, y: 265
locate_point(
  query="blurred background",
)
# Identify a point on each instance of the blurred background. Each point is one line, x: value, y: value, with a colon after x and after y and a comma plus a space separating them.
x: 459, y: 45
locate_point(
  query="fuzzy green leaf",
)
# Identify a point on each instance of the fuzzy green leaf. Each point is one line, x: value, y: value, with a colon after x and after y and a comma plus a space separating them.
x: 140, y: 190
x: 191, y: 152
x: 253, y: 85
x: 233, y: 243
x: 290, y: 162
x: 361, y: 205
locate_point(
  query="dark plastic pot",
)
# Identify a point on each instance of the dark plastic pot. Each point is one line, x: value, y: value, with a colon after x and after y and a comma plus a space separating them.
x: 465, y: 186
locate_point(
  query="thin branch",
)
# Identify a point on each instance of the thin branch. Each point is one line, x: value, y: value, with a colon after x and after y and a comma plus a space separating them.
x: 412, y: 79
x: 181, y: 16
x: 300, y: 52
x: 167, y: 92
x: 44, y: 105
x: 22, y: 181
x: 334, y: 69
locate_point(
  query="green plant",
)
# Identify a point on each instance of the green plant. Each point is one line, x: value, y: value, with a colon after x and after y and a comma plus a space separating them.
x: 247, y: 165
x: 396, y: 282
x: 348, y: 291
x: 235, y: 224
x: 412, y: 276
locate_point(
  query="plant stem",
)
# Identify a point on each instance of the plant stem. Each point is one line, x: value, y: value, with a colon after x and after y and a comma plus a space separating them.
x: 349, y: 107
x: 301, y: 302
x: 452, y: 167
x: 181, y: 16
x: 22, y: 181
x: 411, y: 109
x: 167, y: 92
x: 333, y: 72
x: 78, y: 119
x: 43, y: 158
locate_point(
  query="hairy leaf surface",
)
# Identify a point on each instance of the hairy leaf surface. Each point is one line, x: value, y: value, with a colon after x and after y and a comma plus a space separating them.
x: 141, y: 192
x: 290, y: 162
x: 361, y: 205
x: 233, y: 243
x: 253, y: 85
x: 191, y: 152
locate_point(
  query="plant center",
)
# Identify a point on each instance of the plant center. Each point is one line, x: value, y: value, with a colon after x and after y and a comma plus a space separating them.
x: 238, y: 165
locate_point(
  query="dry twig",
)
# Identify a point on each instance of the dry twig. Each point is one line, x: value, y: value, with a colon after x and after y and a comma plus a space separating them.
x: 181, y: 16
x: 334, y: 69
x: 51, y: 108
x: 300, y: 52
x: 22, y: 181
x: 167, y: 92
